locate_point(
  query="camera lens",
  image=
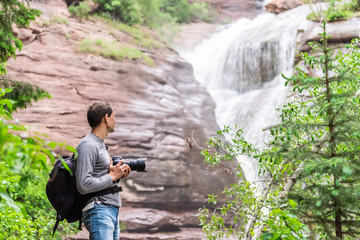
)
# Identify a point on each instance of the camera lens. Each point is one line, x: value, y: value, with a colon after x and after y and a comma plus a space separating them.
x: 135, y: 165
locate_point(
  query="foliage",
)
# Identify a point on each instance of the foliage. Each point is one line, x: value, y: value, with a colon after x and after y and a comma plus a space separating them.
x: 310, y: 167
x: 25, y: 212
x: 353, y: 5
x: 162, y: 15
x: 82, y: 10
x: 31, y: 216
x: 154, y: 13
x: 330, y: 179
x: 180, y: 9
x: 336, y: 10
x: 22, y: 93
x: 59, y: 19
x: 127, y: 11
x: 246, y: 207
x: 202, y: 11
x: 335, y: 14
x: 140, y: 37
x: 282, y: 224
x: 17, y: 13
x: 183, y: 11
x: 114, y: 50
x: 13, y: 225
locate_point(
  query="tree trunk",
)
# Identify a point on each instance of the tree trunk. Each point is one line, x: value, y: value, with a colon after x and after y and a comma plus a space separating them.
x: 332, y: 142
x: 338, y: 226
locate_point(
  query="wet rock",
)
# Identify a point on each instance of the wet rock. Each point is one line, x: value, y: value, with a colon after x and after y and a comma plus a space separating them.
x: 279, y: 6
x: 340, y: 32
x: 234, y: 9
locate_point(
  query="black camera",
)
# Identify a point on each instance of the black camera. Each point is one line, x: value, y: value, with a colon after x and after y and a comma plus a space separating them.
x: 135, y: 165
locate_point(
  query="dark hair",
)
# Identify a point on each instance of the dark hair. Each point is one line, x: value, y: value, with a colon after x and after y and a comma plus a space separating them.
x: 97, y: 111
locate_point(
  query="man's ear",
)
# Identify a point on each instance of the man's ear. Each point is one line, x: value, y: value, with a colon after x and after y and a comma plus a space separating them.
x: 106, y: 118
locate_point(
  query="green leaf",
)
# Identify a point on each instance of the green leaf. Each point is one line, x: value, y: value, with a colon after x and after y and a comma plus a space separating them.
x: 70, y: 148
x: 66, y: 166
x: 52, y: 144
x: 10, y: 202
x: 292, y: 203
x: 335, y: 192
x: 347, y: 170
x: 267, y: 236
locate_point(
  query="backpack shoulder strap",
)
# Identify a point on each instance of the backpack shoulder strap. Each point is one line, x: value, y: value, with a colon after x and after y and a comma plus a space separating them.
x: 112, y: 190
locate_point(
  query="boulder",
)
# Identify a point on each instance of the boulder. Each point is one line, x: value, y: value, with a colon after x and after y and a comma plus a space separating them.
x: 341, y: 32
x: 230, y: 10
x: 279, y: 6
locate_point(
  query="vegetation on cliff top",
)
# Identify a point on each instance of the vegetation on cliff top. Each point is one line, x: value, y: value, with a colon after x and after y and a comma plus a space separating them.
x: 151, y: 13
x: 333, y: 10
x: 131, y: 17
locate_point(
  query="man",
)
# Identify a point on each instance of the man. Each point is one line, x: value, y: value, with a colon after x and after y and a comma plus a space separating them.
x: 95, y: 172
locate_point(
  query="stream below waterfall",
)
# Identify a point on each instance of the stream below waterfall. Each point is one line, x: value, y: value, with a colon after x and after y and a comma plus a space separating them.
x: 240, y: 64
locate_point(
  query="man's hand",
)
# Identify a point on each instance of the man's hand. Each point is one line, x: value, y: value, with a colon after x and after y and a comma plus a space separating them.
x: 119, y: 170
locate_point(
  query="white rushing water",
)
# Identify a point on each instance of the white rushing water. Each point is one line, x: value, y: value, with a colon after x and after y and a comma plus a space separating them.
x: 241, y: 65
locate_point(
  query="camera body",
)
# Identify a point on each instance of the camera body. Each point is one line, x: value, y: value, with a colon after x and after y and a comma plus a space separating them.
x: 135, y: 165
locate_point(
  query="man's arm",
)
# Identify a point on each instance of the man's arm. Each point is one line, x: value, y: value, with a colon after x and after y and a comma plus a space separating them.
x: 85, y: 164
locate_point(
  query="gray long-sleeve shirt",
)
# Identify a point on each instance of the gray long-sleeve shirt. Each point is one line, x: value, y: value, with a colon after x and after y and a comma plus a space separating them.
x: 92, y: 171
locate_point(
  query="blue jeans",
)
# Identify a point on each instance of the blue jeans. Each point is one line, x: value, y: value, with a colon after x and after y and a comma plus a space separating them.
x: 102, y: 222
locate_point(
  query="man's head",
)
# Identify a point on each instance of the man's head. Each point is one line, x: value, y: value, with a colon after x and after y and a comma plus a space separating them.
x: 98, y: 111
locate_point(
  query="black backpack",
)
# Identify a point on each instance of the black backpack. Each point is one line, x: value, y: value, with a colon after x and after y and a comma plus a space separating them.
x: 63, y: 195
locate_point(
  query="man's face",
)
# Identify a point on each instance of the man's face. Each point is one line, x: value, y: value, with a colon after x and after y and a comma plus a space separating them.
x: 111, y: 122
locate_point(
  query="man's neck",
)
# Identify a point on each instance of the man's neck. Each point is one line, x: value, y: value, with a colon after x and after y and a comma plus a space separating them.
x: 100, y: 133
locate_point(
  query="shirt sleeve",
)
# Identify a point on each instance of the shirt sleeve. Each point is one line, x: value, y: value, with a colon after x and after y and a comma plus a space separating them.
x: 85, y: 164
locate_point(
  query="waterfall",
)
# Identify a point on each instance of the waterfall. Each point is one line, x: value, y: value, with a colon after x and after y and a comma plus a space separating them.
x: 241, y: 65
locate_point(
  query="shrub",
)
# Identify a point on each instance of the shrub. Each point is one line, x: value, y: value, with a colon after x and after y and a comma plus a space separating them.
x: 31, y: 216
x: 22, y: 92
x: 81, y: 11
x: 337, y: 10
x: 179, y: 9
x: 202, y: 11
x: 140, y: 37
x: 127, y: 11
x: 337, y: 15
x: 184, y: 12
x: 60, y: 20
